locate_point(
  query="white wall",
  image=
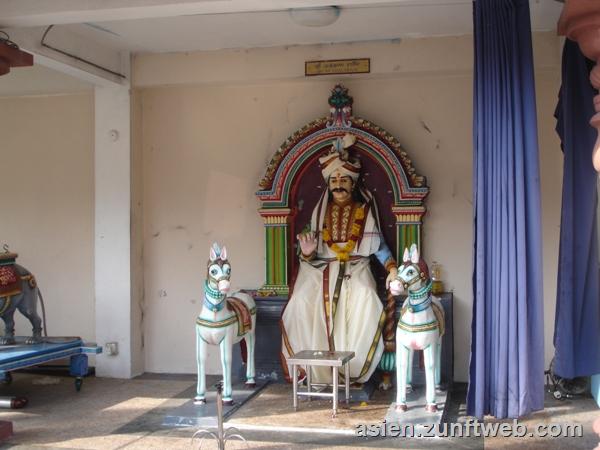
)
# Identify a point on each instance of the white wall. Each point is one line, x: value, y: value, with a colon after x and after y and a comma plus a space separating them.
x: 47, y: 173
x: 551, y: 172
x: 204, y: 126
x: 210, y: 121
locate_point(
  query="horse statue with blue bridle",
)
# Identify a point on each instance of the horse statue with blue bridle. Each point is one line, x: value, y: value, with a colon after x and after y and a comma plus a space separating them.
x: 223, y: 321
x: 420, y: 327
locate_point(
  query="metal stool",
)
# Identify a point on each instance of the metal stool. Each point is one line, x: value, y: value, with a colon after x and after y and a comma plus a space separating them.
x: 326, y: 358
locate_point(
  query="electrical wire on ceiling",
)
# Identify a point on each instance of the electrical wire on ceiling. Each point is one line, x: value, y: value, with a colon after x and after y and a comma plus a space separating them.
x: 78, y: 58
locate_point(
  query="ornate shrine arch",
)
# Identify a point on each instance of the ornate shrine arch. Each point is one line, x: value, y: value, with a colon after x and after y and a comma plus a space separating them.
x: 385, y: 166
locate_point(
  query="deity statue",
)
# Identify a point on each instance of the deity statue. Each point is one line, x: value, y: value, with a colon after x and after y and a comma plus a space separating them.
x: 334, y: 305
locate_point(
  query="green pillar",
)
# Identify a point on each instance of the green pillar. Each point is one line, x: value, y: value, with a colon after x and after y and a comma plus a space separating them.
x: 408, y: 228
x: 276, y: 238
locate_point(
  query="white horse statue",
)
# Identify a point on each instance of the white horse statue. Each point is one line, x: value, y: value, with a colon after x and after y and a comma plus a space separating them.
x: 420, y: 327
x: 223, y: 321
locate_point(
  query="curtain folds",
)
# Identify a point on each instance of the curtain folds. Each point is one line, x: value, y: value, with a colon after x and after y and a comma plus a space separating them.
x: 506, y: 374
x: 577, y: 318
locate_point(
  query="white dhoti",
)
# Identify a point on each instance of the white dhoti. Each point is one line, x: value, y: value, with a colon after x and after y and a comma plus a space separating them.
x: 355, y: 322
x: 314, y: 319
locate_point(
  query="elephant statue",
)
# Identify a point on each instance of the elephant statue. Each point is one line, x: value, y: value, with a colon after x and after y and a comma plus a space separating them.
x: 18, y: 291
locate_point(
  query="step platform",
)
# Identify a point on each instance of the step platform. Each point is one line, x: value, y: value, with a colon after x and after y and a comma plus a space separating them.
x: 416, y: 414
x: 205, y: 416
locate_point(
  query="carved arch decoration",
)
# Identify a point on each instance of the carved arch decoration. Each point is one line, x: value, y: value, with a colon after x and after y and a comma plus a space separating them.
x: 407, y: 190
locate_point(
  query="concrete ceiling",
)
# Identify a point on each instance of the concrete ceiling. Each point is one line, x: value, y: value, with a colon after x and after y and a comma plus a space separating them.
x: 275, y: 28
x: 148, y: 26
x: 364, y: 21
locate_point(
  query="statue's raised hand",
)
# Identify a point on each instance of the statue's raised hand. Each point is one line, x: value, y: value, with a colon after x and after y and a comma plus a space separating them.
x: 308, y: 242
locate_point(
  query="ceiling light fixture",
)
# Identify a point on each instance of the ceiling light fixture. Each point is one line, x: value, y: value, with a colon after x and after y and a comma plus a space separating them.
x: 315, y: 17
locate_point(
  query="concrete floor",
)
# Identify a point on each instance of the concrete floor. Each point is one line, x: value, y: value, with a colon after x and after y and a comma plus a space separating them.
x: 128, y: 414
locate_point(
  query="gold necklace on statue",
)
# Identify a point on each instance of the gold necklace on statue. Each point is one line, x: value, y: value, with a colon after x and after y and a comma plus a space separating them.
x: 342, y: 253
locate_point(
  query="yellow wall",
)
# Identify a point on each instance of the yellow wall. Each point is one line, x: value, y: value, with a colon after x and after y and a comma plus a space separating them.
x: 47, y: 172
x: 210, y: 121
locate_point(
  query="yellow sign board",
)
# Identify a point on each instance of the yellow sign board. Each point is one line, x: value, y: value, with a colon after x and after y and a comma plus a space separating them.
x: 337, y: 67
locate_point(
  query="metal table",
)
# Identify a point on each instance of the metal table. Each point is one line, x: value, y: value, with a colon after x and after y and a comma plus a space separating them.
x: 326, y: 358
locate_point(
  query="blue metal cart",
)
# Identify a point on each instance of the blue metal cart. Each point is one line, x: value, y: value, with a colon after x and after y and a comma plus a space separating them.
x: 21, y: 355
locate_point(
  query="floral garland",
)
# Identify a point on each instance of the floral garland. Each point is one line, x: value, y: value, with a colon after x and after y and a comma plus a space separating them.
x: 343, y: 253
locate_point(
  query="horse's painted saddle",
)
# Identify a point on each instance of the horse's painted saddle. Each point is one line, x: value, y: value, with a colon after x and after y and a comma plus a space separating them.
x: 242, y: 313
x: 10, y: 281
x: 439, y: 315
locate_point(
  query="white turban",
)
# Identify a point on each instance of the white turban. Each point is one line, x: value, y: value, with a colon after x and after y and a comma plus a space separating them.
x: 337, y: 159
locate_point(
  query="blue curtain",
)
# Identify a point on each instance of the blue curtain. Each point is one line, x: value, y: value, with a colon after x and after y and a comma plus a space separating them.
x: 577, y: 320
x: 506, y: 374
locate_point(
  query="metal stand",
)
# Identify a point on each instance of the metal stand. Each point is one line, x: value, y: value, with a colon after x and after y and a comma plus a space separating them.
x: 310, y: 358
x: 222, y: 436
